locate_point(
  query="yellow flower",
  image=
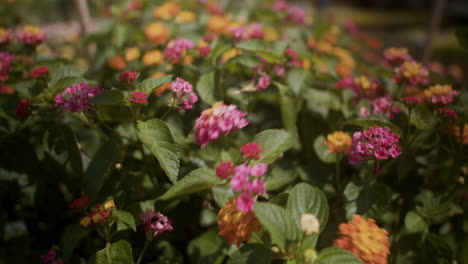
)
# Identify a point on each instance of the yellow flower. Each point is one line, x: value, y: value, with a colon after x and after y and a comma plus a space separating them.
x: 411, y: 69
x: 166, y: 11
x: 437, y: 90
x: 218, y: 24
x: 234, y: 226
x: 270, y: 34
x: 153, y: 57
x: 187, y: 60
x: 185, y: 17
x: 85, y: 221
x: 345, y: 57
x: 339, y: 142
x: 156, y: 33
x: 117, y: 62
x: 96, y: 218
x: 132, y: 53
x: 306, y: 64
x: 365, y: 240
x: 230, y: 54
x: 109, y: 205
x: 309, y: 224
x: 32, y: 30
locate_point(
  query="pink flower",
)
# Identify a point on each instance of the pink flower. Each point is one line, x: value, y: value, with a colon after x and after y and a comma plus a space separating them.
x: 224, y: 170
x: 263, y: 82
x: 364, y: 111
x: 447, y: 114
x: 31, y: 35
x: 296, y: 15
x: 396, y: 56
x: 411, y: 101
x: 50, y: 256
x: 255, y: 31
x: 412, y: 73
x: 279, y: 70
x: 40, y: 73
x: 245, y: 203
x: 128, y: 77
x: 280, y: 5
x: 259, y: 169
x: 384, y: 106
x: 5, y: 65
x: 5, y: 36
x: 79, y: 204
x: 182, y: 88
x: 75, y: 98
x: 23, y: 109
x: 239, y: 182
x: 155, y: 223
x: 256, y: 187
x: 139, y: 97
x: 374, y: 143
x: 204, y: 51
x: 177, y: 48
x: 251, y: 150
x: 239, y: 33
x: 219, y: 120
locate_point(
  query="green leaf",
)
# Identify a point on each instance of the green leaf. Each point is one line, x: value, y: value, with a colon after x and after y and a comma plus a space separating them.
x: 462, y: 36
x: 273, y: 142
x: 295, y: 79
x: 207, y: 248
x: 352, y: 191
x: 288, y: 104
x: 252, y: 253
x: 279, y: 178
x: 251, y: 45
x: 335, y: 255
x: 114, y: 113
x: 195, y: 181
x: 414, y: 222
x: 120, y: 34
x: 246, y: 59
x: 278, y: 222
x: 269, y: 56
x: 422, y: 118
x: 150, y: 84
x: 206, y: 88
x: 322, y: 101
x: 125, y: 220
x: 322, y: 150
x: 157, y: 137
x: 101, y: 165
x: 375, y: 120
x: 221, y: 194
x: 65, y: 82
x: 117, y: 253
x: 29, y: 88
x: 72, y: 235
x: 66, y: 71
x: 109, y: 97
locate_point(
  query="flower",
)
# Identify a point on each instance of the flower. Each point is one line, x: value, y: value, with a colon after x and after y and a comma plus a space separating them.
x: 251, y: 150
x: 296, y: 15
x: 182, y: 88
x: 448, y: 114
x: 224, y: 170
x: 40, y: 73
x: 155, y: 223
x: 51, y: 257
x: 440, y: 94
x: 23, y: 109
x: 361, y: 86
x: 218, y: 24
x: 410, y: 100
x: 229, y: 54
x: 254, y: 188
x: 259, y: 169
x: 204, y: 50
x: 98, y: 214
x: 396, y: 56
x: 161, y: 89
x: 128, y: 77
x: 117, y: 62
x: 5, y: 65
x: 236, y: 227
x: 79, y: 204
x: 5, y: 36
x: 177, y: 48
x: 454, y: 130
x: 75, y: 98
x: 132, y: 53
x: 412, y: 73
x: 270, y: 34
x: 153, y: 57
x: 365, y: 240
x: 6, y: 90
x: 219, y: 120
x: 166, y: 11
x: 139, y: 97
x: 309, y: 224
x: 31, y: 35
x: 156, y: 33
x: 384, y: 106
x: 185, y: 17
x: 338, y: 142
x: 245, y: 202
x: 263, y: 82
x: 376, y: 143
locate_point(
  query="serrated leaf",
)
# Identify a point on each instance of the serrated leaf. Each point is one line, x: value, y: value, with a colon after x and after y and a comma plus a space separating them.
x: 252, y: 253
x: 273, y: 142
x: 335, y: 255
x: 125, y: 220
x: 157, y: 137
x: 278, y: 222
x: 207, y: 248
x: 422, y: 118
x: 116, y: 253
x: 206, y: 88
x: 375, y: 120
x: 150, y: 84
x: 109, y: 97
x: 195, y: 181
x: 322, y: 150
x: 66, y: 71
x: 72, y: 235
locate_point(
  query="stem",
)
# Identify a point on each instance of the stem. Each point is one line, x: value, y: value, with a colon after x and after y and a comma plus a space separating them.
x: 143, y: 251
x: 217, y: 79
x: 166, y: 113
x: 337, y: 163
x: 108, y: 244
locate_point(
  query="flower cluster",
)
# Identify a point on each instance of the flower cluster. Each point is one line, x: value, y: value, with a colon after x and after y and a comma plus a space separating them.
x: 155, y: 223
x: 362, y: 86
x: 31, y: 35
x: 292, y: 13
x: 374, y: 143
x: 235, y: 226
x: 128, y: 77
x: 139, y: 97
x: 364, y: 239
x: 338, y: 142
x: 412, y: 73
x: 219, y: 120
x: 79, y: 203
x: 252, y: 31
x: 99, y: 214
x: 166, y: 11
x: 381, y: 106
x: 51, y: 257
x: 41, y: 73
x: 5, y: 36
x: 440, y: 94
x: 5, y: 65
x: 447, y: 114
x: 23, y: 109
x: 177, y: 48
x: 182, y: 88
x: 75, y: 98
x: 156, y: 33
x: 396, y: 56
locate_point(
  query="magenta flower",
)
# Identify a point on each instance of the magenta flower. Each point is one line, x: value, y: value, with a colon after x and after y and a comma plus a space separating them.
x: 224, y: 170
x: 296, y: 15
x: 75, y: 98
x: 239, y: 182
x: 374, y: 143
x: 219, y: 120
x: 79, y: 203
x: 239, y: 33
x: 128, y: 77
x: 31, y: 35
x: 263, y: 82
x: 177, y: 48
x: 448, y: 114
x: 5, y: 65
x: 256, y: 187
x: 51, y: 257
x: 182, y: 88
x: 23, y: 109
x: 245, y: 203
x: 5, y: 36
x: 40, y: 73
x: 259, y: 169
x: 411, y: 100
x: 251, y: 150
x: 155, y: 223
x: 139, y: 97
x: 204, y: 51
x: 382, y: 106
x: 412, y: 73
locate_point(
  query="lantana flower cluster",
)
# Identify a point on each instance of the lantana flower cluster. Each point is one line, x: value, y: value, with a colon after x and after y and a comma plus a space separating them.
x: 99, y: 214
x: 292, y: 13
x: 75, y: 98
x: 178, y: 48
x: 246, y: 179
x: 155, y: 223
x: 411, y: 73
x: 381, y: 106
x: 440, y: 94
x: 338, y: 142
x: 219, y: 120
x: 31, y: 35
x: 51, y: 257
x: 181, y: 88
x: 362, y: 86
x: 5, y: 66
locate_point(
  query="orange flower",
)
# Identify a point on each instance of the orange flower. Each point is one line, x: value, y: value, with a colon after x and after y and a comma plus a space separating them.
x: 339, y: 142
x: 153, y: 57
x: 117, y: 62
x: 161, y: 89
x: 270, y: 34
x: 166, y: 11
x: 234, y: 226
x: 156, y: 33
x: 185, y: 17
x: 365, y: 240
x: 132, y: 53
x: 218, y: 25
x: 454, y: 130
x: 231, y: 53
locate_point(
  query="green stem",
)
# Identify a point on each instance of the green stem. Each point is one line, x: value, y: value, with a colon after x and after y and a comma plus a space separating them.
x: 338, y: 184
x: 166, y: 113
x: 143, y: 251
x: 108, y: 244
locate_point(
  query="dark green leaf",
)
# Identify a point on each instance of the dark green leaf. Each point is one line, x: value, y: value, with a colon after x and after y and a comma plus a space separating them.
x: 273, y: 142
x: 375, y: 120
x: 117, y: 253
x: 335, y: 255
x: 414, y: 222
x: 195, y: 181
x: 109, y: 97
x: 73, y: 234
x: 206, y: 88
x: 252, y: 254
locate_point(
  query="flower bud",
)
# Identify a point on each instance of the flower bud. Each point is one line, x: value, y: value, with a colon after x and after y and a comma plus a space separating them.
x: 310, y: 255
x: 309, y: 224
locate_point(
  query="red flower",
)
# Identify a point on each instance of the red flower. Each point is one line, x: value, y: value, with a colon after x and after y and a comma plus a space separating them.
x: 40, y: 73
x: 251, y: 150
x: 448, y: 114
x: 224, y: 170
x: 79, y: 203
x: 128, y: 77
x: 139, y: 97
x: 23, y: 109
